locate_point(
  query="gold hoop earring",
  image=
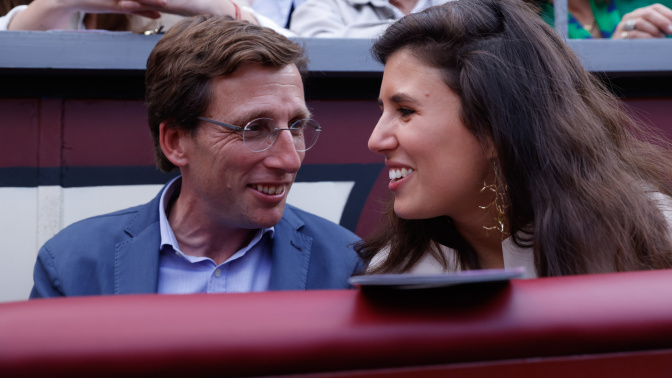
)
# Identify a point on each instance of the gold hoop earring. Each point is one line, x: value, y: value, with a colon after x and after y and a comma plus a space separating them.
x: 499, y: 203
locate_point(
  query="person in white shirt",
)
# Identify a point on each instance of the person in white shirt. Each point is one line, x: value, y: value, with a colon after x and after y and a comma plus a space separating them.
x: 277, y: 10
x: 352, y: 18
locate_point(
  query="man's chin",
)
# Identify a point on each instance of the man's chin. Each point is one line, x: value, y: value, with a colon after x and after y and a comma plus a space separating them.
x: 269, y: 217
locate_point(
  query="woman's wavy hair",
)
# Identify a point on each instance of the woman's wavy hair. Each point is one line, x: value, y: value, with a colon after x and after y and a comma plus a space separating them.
x: 578, y: 169
x: 7, y: 5
x: 191, y: 54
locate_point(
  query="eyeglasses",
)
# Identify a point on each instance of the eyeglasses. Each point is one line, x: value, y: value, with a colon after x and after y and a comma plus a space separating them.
x: 260, y: 134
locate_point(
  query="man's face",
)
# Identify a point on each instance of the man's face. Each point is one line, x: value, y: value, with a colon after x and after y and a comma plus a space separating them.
x: 232, y: 185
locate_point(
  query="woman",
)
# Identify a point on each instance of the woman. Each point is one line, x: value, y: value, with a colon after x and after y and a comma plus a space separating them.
x: 503, y: 151
x: 617, y: 19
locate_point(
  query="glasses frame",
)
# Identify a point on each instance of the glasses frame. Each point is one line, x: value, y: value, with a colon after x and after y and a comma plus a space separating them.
x: 278, y: 129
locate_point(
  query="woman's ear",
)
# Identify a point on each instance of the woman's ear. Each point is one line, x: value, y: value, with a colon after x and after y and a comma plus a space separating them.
x: 490, y: 150
x: 173, y: 142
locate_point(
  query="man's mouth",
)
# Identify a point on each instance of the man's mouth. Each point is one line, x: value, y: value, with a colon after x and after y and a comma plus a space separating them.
x: 397, y: 174
x: 269, y: 189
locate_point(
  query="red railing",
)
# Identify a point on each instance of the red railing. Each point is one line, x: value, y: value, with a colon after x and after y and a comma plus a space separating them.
x: 593, y: 325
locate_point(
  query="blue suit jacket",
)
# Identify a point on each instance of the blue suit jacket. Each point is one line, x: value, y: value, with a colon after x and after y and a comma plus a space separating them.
x: 118, y: 253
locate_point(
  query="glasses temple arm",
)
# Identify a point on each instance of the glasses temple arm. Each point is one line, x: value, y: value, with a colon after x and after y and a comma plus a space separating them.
x: 228, y: 126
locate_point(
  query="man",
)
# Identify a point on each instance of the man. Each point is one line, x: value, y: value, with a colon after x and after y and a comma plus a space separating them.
x: 225, y: 107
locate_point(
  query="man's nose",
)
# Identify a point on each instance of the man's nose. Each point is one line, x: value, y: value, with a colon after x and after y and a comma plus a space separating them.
x: 283, y: 154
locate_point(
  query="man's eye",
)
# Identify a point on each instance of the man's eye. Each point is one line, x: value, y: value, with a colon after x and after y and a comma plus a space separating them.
x: 252, y: 127
x: 298, y: 124
x: 260, y: 125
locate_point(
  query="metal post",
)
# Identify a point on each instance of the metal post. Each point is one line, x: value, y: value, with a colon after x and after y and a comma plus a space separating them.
x: 561, y: 12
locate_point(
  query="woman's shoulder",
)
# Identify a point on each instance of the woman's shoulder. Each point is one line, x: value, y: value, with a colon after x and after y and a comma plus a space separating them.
x: 664, y: 203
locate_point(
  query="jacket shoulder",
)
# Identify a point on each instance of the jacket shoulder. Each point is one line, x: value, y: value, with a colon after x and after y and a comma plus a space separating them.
x: 317, y: 226
x: 80, y: 260
x: 97, y: 227
x: 332, y: 259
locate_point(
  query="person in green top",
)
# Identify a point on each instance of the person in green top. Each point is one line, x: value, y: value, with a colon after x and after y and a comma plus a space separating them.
x: 617, y: 19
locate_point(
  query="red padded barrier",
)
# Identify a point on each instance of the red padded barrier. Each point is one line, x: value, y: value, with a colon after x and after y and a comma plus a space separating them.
x: 625, y: 314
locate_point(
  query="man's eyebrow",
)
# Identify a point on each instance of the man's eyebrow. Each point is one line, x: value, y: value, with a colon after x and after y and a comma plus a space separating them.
x: 303, y: 114
x: 245, y: 118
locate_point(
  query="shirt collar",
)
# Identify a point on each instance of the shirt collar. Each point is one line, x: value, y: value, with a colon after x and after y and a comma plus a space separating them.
x: 168, y: 237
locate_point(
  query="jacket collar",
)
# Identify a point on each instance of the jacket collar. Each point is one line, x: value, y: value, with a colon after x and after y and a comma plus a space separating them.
x: 291, y: 253
x: 136, y: 264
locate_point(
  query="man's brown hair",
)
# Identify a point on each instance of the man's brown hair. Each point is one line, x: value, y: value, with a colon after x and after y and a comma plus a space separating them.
x: 183, y: 63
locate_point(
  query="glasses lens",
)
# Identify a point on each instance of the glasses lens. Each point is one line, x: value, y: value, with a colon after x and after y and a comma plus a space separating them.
x: 258, y: 134
x: 305, y: 133
x: 261, y: 133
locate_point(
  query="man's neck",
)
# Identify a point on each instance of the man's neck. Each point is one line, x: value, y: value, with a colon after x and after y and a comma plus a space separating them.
x: 197, y: 235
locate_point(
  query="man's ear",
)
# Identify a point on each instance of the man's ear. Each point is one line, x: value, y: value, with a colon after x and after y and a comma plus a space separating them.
x: 173, y: 142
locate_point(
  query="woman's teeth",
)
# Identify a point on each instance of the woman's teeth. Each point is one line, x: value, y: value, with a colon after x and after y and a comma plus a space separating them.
x: 396, y: 174
x: 269, y: 189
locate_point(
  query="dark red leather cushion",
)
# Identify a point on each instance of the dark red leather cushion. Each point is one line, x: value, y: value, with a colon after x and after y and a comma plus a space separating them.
x: 321, y: 331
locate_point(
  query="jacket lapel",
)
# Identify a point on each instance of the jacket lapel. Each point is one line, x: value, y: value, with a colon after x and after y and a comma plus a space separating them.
x: 291, y: 254
x: 136, y: 266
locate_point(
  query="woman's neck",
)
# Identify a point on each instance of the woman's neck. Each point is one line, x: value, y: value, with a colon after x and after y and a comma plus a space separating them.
x: 486, y: 243
x: 583, y: 13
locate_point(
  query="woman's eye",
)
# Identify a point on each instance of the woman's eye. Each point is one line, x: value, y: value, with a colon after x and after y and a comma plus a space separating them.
x: 405, y: 112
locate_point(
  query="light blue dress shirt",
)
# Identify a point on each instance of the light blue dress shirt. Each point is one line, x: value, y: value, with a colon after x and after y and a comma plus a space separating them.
x: 249, y: 269
x: 276, y: 10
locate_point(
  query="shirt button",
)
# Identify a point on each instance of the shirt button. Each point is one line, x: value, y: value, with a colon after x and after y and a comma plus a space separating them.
x: 218, y: 272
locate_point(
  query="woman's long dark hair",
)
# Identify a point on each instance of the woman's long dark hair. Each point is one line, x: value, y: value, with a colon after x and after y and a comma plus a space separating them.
x: 578, y: 169
x: 7, y: 5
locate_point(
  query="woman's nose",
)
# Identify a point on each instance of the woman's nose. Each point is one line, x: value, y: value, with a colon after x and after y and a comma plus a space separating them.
x: 382, y: 138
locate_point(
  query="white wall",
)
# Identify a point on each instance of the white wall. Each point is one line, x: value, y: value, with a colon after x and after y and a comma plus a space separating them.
x: 30, y: 216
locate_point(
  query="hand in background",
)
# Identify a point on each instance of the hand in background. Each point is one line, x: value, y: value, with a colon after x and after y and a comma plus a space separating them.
x: 653, y: 21
x: 56, y: 14
x: 187, y: 7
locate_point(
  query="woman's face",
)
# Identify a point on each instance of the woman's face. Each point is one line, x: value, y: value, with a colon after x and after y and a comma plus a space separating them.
x: 437, y: 167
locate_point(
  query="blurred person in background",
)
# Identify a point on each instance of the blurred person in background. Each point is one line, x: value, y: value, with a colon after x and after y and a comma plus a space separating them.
x: 279, y: 11
x: 616, y: 19
x: 352, y: 18
x: 139, y: 16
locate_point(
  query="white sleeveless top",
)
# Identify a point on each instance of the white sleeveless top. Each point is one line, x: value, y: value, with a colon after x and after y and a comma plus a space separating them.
x: 514, y: 256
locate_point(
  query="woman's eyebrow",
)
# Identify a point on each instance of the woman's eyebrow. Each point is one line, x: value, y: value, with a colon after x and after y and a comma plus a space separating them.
x: 402, y: 97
